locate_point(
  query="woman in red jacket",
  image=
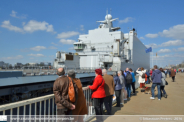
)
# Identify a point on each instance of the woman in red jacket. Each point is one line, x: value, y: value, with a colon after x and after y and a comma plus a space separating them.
x: 98, y: 92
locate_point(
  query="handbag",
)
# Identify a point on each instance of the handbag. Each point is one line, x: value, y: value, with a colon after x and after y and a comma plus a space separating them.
x: 166, y: 83
x: 96, y: 89
x: 71, y: 91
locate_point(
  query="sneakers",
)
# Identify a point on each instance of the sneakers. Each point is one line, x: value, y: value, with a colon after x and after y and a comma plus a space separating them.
x: 152, y: 98
x: 125, y: 99
x: 158, y: 99
x: 165, y: 95
x: 121, y: 103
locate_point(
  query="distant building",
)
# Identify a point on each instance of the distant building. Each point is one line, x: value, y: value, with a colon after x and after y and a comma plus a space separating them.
x: 42, y: 63
x: 1, y: 63
x: 33, y: 64
x: 18, y: 64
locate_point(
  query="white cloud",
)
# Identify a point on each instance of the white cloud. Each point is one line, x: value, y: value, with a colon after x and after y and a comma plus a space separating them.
x: 33, y: 25
x: 153, y: 45
x: 151, y: 35
x: 36, y: 55
x: 38, y: 48
x: 164, y: 51
x: 12, y: 58
x: 67, y: 34
x: 82, y: 27
x: 7, y: 24
x: 141, y: 38
x: 181, y: 49
x: 54, y: 44
x: 67, y: 41
x: 14, y: 14
x: 52, y: 47
x: 71, y: 48
x: 167, y: 44
x: 172, y: 43
x: 176, y: 32
x: 126, y: 20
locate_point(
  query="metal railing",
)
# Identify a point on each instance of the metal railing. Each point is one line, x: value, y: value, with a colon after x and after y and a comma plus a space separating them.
x: 42, y: 106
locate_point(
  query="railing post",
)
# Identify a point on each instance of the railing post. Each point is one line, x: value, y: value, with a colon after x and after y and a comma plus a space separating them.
x: 24, y: 112
x: 30, y: 112
x: 49, y: 110
x: 17, y: 114
x: 44, y: 109
x: 35, y: 111
x: 52, y: 109
x: 40, y: 110
x: 11, y: 112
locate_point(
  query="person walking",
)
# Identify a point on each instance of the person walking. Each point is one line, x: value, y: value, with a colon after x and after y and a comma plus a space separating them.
x: 60, y: 89
x: 98, y: 93
x: 162, y: 85
x: 123, y: 91
x: 118, y: 88
x: 109, y: 91
x: 166, y: 73
x: 122, y: 81
x: 133, y: 81
x: 169, y: 72
x: 81, y: 108
x: 173, y: 74
x: 141, y: 80
x: 151, y: 71
x: 156, y: 80
x: 128, y: 77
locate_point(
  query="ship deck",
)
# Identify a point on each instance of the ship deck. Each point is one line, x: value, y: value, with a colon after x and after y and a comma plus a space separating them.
x: 141, y: 104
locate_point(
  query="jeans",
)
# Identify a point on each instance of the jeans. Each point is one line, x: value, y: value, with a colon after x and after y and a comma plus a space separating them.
x: 173, y: 78
x: 128, y: 87
x: 162, y: 90
x: 133, y: 87
x: 98, y: 105
x: 108, y: 104
x: 118, y: 95
x: 153, y: 90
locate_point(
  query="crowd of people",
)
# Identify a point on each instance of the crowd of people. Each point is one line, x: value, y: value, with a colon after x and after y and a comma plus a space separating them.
x: 70, y: 99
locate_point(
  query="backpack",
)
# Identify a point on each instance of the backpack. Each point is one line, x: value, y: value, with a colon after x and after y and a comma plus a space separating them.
x: 71, y: 91
x: 129, y: 78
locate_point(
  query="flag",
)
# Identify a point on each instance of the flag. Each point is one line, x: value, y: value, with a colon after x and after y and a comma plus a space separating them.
x: 156, y: 54
x: 148, y: 50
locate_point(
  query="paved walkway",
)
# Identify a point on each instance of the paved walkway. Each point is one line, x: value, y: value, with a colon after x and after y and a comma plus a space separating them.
x: 142, y: 105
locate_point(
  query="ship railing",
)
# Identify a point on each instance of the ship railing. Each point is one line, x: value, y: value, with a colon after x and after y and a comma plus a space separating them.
x: 43, y: 105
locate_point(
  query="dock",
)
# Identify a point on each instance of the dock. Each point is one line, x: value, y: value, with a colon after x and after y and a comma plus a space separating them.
x: 140, y: 105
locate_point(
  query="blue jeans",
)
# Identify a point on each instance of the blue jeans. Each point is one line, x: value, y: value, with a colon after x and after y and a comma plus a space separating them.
x: 153, y: 90
x: 128, y: 87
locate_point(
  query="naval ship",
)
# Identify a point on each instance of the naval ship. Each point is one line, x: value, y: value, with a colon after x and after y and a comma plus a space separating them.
x: 104, y: 47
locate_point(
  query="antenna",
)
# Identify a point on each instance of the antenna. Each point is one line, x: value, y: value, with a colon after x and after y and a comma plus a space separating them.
x: 107, y: 12
x: 110, y: 10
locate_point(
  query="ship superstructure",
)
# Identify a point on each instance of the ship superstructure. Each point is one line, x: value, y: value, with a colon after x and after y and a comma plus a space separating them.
x: 108, y: 48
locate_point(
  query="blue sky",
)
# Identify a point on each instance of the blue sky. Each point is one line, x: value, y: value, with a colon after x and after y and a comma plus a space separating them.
x: 32, y: 31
